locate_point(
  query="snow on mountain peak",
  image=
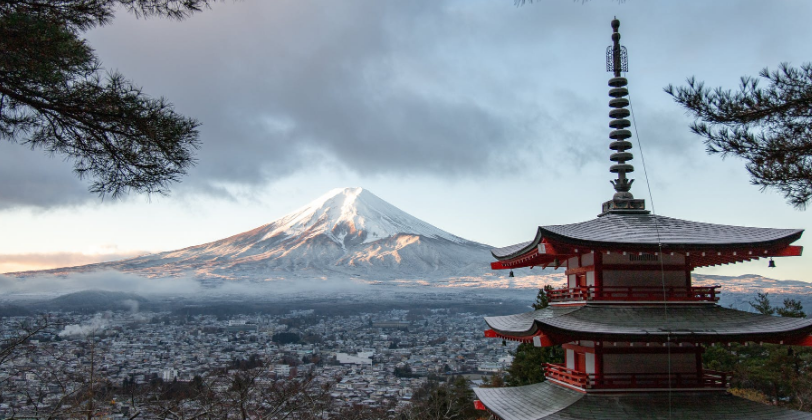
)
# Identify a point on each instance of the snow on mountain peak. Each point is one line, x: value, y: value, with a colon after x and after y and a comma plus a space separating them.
x: 346, y: 232
x: 353, y: 216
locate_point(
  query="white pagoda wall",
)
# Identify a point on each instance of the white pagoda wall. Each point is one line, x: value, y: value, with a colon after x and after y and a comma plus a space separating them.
x: 590, y: 279
x: 589, y: 361
x: 619, y: 277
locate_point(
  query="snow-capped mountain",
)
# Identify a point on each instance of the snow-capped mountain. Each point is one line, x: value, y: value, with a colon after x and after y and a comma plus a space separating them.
x: 348, y: 232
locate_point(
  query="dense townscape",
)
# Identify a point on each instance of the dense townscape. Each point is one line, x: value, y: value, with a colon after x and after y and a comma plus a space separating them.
x: 361, y: 360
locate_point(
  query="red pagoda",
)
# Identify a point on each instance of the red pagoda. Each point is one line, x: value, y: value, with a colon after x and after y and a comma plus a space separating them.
x: 632, y: 325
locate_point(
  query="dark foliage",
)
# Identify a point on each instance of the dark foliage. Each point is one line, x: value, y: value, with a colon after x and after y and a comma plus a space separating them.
x: 770, y: 128
x: 285, y: 338
x: 528, y: 360
x: 453, y: 400
x: 495, y: 381
x: 542, y: 298
x: 762, y: 304
x: 792, y: 308
x: 770, y: 373
x: 403, y: 371
x: 253, y: 362
x: 55, y: 96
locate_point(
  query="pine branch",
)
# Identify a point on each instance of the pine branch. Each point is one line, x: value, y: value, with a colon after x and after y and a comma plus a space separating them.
x: 770, y: 128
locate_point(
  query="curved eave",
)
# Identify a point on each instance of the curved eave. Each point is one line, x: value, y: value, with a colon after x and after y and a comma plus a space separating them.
x: 525, y: 324
x: 513, y: 251
x: 530, y: 402
x: 775, y: 244
x: 706, y: 323
x: 552, y: 402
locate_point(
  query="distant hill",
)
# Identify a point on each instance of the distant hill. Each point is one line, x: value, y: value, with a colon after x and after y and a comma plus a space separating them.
x: 91, y: 301
x: 739, y: 290
x: 8, y: 310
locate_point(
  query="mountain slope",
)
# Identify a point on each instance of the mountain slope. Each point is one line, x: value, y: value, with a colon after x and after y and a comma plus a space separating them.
x: 347, y: 232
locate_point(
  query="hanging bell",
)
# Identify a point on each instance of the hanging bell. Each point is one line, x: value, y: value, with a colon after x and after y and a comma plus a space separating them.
x: 771, y: 264
x: 504, y: 342
x: 511, y: 273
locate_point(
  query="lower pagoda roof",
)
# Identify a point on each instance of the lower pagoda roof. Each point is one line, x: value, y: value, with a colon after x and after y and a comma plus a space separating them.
x: 550, y: 401
x: 695, y: 323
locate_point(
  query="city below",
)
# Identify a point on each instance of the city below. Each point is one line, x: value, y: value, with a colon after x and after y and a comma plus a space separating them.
x: 367, y: 354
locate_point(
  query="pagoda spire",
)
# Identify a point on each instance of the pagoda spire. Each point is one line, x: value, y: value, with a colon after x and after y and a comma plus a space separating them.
x: 617, y: 61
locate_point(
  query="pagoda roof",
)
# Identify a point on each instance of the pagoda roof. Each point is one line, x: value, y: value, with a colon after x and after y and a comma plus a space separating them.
x: 695, y: 323
x: 550, y: 401
x: 649, y: 232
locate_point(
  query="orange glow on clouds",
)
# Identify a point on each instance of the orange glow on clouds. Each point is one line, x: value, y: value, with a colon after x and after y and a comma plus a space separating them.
x: 10, y: 263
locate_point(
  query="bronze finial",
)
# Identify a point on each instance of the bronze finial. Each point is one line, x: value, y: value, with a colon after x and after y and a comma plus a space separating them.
x: 623, y: 201
x: 616, y: 58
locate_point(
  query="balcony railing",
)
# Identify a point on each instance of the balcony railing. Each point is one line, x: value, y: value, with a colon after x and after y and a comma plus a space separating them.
x: 706, y: 379
x: 564, y: 374
x: 636, y: 293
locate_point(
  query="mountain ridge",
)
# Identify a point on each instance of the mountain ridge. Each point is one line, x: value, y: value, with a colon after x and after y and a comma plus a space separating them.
x: 346, y: 232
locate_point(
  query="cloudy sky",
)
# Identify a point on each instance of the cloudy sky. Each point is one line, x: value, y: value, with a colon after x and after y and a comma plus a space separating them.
x: 482, y: 118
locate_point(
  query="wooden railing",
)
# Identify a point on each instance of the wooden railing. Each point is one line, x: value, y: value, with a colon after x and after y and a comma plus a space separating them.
x: 564, y: 374
x: 676, y: 380
x: 636, y: 293
x: 705, y: 379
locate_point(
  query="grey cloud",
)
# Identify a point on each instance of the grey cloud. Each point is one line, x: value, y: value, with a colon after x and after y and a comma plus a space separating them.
x: 189, y: 286
x: 107, y: 280
x: 31, y: 177
x: 379, y: 87
x: 131, y: 304
x: 177, y: 286
x: 447, y: 89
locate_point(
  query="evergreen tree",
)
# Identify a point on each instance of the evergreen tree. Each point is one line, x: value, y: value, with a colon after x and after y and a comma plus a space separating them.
x: 543, y: 298
x: 762, y: 304
x: 55, y: 96
x: 792, y: 309
x: 528, y: 363
x: 771, y: 373
x: 770, y: 128
x: 528, y: 360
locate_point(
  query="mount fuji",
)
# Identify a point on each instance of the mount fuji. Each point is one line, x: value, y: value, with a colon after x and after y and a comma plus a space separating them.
x: 348, y: 232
